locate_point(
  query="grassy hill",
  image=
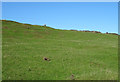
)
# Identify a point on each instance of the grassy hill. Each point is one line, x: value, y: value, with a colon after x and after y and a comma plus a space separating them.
x: 73, y: 54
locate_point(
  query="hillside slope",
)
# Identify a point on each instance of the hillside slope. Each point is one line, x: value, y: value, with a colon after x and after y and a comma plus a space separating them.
x: 86, y: 55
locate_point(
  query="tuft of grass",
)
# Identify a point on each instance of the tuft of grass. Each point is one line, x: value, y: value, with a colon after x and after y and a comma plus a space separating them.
x: 86, y: 55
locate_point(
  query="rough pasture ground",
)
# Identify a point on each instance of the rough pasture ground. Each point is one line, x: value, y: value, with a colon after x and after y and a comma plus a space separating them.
x: 87, y: 56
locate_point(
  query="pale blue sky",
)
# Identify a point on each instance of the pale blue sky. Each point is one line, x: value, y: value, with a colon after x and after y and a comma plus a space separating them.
x: 60, y: 0
x: 99, y: 16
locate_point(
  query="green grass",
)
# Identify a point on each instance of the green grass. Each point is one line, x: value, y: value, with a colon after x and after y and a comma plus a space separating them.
x: 86, y: 55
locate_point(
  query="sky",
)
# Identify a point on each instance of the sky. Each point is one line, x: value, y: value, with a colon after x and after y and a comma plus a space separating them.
x: 93, y: 16
x: 60, y: 0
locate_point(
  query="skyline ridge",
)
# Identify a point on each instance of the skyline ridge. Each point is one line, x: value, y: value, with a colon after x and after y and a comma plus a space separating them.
x: 62, y: 29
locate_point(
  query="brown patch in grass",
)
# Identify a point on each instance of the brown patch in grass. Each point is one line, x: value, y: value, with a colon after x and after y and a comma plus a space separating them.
x: 5, y: 27
x: 46, y: 59
x: 97, y: 64
x: 38, y: 36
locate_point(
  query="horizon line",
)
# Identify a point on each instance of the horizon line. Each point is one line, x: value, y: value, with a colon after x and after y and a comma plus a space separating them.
x: 63, y: 29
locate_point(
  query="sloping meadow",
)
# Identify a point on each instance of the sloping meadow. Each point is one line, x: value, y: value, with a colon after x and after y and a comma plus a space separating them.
x: 73, y: 54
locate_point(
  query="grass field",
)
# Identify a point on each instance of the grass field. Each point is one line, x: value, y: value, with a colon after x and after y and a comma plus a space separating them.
x: 85, y: 55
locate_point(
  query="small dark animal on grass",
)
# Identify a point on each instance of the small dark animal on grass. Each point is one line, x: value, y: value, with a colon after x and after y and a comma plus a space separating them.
x: 72, y: 77
x: 47, y: 59
x: 44, y: 24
